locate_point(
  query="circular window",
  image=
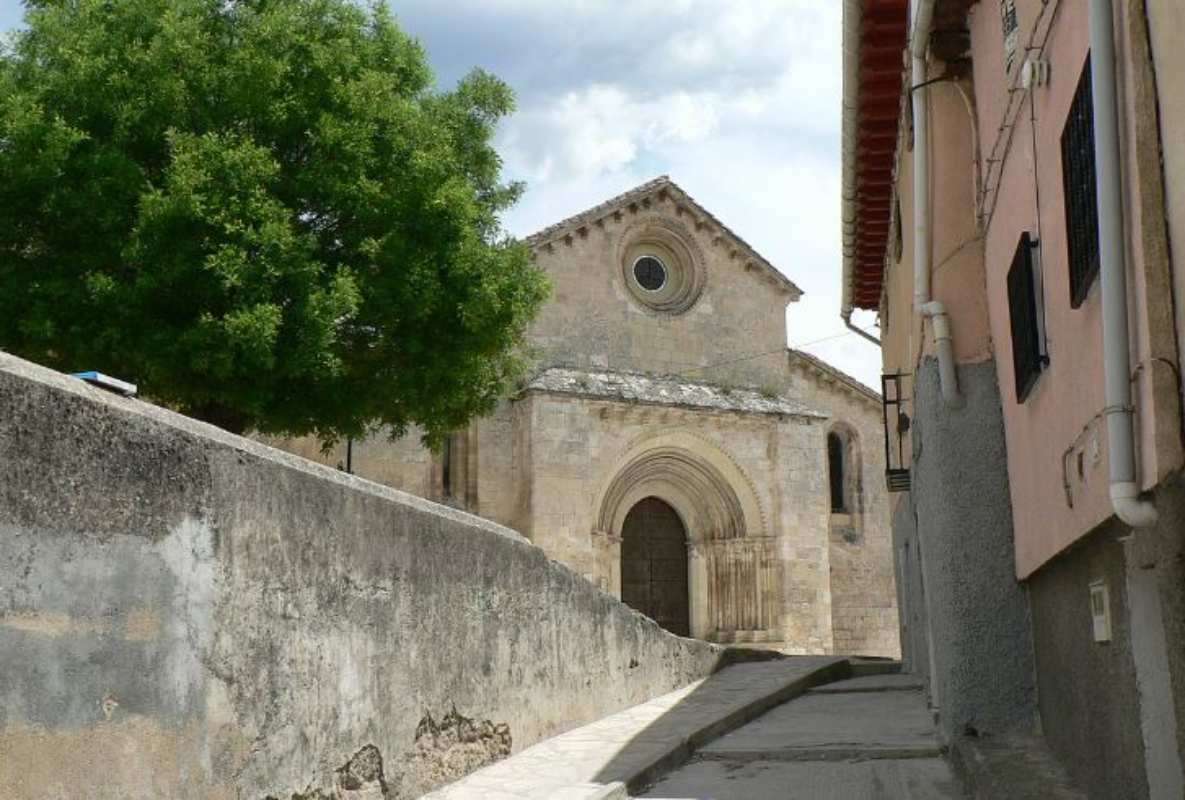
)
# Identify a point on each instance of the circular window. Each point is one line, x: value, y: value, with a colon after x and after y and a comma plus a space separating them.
x: 661, y: 265
x: 650, y: 273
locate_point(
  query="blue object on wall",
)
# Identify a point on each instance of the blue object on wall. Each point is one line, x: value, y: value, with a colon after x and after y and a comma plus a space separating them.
x: 107, y: 382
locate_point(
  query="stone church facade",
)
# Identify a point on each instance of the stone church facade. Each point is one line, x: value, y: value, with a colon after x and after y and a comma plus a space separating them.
x: 670, y: 447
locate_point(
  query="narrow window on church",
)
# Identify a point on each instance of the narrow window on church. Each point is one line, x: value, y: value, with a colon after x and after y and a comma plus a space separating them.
x: 446, y: 467
x: 835, y: 466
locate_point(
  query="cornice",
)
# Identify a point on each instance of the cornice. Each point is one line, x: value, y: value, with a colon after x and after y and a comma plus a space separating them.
x: 644, y: 198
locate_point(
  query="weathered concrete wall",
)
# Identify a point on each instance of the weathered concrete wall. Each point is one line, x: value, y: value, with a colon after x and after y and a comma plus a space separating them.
x: 1108, y: 709
x: 185, y: 613
x: 978, y: 615
x: 1089, y: 703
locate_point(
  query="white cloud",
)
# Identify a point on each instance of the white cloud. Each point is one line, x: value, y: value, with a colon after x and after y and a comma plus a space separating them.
x: 602, y: 129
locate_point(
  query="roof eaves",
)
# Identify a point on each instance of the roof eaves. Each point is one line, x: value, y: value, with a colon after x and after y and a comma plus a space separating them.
x: 874, y: 30
x: 647, y: 389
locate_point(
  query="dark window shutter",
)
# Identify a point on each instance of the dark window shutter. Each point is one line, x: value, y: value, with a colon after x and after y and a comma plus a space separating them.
x: 1078, y: 178
x: 1022, y: 308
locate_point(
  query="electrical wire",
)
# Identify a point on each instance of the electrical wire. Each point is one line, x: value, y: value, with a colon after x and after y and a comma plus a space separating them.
x: 752, y: 356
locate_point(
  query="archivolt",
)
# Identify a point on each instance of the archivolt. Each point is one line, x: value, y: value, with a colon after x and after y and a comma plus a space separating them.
x: 705, y: 499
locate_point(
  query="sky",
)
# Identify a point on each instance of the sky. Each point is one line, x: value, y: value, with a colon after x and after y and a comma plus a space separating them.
x: 739, y: 102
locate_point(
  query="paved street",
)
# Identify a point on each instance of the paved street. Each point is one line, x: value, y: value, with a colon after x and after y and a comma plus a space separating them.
x: 862, y: 739
x: 598, y: 760
x: 866, y: 738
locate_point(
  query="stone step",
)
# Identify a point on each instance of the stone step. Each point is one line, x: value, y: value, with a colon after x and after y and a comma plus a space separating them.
x: 872, y: 683
x: 835, y: 726
x: 864, y: 667
x: 878, y: 741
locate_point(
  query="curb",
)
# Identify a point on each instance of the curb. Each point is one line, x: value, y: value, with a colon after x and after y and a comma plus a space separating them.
x: 682, y: 752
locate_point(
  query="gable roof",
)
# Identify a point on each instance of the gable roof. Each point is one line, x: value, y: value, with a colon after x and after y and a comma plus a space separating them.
x: 663, y: 188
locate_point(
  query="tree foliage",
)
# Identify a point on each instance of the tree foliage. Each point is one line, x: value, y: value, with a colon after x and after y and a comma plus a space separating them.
x: 261, y: 211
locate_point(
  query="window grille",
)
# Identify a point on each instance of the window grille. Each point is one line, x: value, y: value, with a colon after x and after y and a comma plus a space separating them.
x: 1078, y: 179
x: 893, y: 402
x: 1027, y: 357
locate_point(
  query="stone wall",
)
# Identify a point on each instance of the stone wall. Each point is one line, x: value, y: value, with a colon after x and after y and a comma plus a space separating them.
x: 189, y: 614
x: 593, y: 319
x: 773, y: 465
x: 403, y: 464
x: 863, y: 586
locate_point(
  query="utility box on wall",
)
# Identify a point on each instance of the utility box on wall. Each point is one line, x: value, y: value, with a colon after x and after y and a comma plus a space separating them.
x: 1100, y: 610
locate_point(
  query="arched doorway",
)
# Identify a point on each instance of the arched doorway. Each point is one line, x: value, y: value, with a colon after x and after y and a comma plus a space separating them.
x: 654, y: 564
x: 733, y: 568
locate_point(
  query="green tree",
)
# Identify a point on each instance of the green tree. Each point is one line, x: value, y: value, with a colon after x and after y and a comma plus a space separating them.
x: 261, y: 211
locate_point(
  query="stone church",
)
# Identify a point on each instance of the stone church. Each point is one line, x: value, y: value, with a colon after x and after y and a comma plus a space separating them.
x: 670, y: 447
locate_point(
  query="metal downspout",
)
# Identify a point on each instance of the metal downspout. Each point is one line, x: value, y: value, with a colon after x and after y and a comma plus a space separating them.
x: 919, y: 42
x: 1125, y: 487
x: 923, y: 19
x: 846, y: 314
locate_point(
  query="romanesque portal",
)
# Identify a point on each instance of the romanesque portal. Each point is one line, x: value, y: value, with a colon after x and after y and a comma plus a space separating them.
x: 654, y: 565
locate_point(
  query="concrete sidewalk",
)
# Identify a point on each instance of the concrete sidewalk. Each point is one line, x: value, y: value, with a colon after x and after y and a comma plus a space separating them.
x: 632, y: 747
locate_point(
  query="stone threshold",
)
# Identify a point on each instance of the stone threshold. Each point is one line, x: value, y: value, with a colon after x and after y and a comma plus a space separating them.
x: 627, y: 751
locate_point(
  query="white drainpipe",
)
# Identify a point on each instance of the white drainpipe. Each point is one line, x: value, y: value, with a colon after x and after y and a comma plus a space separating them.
x: 1125, y: 488
x: 935, y: 311
x: 846, y: 315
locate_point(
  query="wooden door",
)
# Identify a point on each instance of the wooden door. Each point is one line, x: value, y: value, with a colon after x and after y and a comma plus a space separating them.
x: 654, y: 564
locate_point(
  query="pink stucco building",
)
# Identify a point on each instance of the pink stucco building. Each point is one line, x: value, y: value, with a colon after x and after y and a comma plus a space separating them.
x: 1014, y: 186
